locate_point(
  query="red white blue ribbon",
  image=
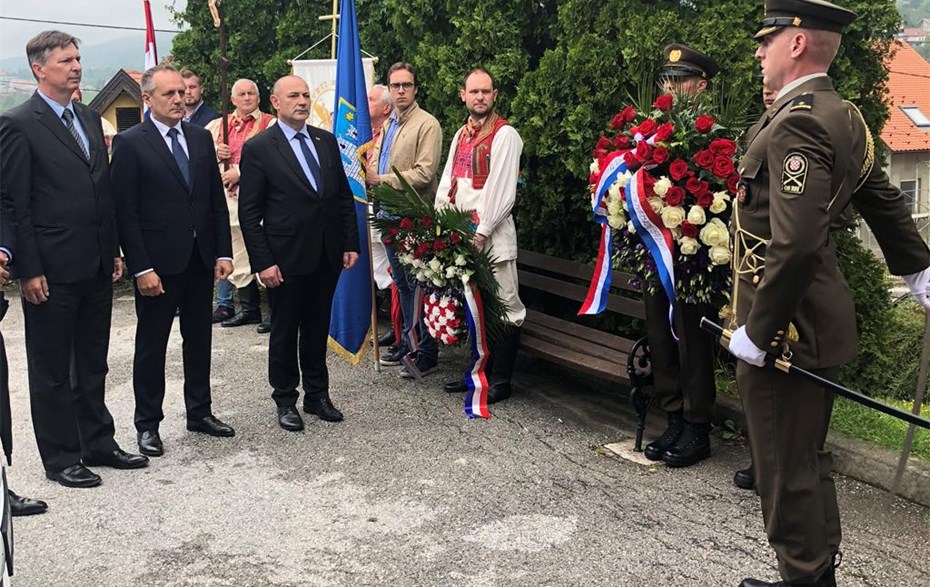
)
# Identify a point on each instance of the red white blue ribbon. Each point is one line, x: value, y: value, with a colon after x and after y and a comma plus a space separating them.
x: 657, y: 238
x: 413, y: 335
x: 596, y: 300
x: 476, y: 379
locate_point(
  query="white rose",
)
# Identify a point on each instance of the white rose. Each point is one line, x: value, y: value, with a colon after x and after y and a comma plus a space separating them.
x: 688, y: 245
x: 450, y: 272
x: 673, y: 216
x: 613, y: 192
x: 439, y: 281
x: 657, y: 204
x: 624, y: 178
x: 719, y: 255
x: 442, y: 321
x: 661, y: 186
x: 595, y: 167
x: 614, y: 207
x: 720, y: 202
x: 460, y: 260
x: 465, y: 278
x: 616, y: 220
x: 714, y: 233
x: 696, y: 215
x: 435, y: 264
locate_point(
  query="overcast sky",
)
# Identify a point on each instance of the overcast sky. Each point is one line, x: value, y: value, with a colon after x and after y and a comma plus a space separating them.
x: 14, y: 34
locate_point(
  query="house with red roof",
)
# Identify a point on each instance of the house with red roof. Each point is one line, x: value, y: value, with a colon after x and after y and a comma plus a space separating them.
x: 907, y: 132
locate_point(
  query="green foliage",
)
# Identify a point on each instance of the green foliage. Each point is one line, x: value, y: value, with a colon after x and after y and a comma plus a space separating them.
x: 872, y: 426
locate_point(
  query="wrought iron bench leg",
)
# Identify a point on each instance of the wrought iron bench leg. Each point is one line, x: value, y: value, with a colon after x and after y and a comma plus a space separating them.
x: 639, y: 370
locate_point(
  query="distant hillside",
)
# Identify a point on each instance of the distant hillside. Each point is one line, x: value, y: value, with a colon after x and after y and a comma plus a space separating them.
x: 913, y: 10
x: 104, y: 59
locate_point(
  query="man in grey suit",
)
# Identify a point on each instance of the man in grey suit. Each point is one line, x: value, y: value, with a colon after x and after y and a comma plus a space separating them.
x: 65, y: 253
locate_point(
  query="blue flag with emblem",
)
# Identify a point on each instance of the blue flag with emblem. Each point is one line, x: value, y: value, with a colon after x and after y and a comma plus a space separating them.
x: 350, y: 323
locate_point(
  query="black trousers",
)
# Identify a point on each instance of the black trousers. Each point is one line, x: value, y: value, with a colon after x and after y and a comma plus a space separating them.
x: 683, y: 371
x: 300, y: 313
x: 67, y: 340
x: 190, y: 294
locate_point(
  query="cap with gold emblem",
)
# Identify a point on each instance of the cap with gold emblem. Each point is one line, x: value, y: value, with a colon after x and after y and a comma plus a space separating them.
x: 683, y: 61
x: 809, y: 14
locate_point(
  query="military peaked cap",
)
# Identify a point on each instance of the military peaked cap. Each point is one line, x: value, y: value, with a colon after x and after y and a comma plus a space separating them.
x: 683, y: 61
x: 809, y: 14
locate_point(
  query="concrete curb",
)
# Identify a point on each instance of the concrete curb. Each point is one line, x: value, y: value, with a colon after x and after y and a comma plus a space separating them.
x: 856, y: 458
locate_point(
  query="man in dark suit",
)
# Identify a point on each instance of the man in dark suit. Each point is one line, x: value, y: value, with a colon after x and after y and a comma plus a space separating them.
x: 196, y: 111
x: 297, y: 215
x: 19, y: 506
x: 56, y: 182
x: 174, y: 229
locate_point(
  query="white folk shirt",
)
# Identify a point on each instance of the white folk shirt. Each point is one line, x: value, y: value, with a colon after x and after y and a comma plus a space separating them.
x: 494, y: 202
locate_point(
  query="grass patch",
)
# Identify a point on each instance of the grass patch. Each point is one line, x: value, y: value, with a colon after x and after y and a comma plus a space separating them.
x: 866, y: 424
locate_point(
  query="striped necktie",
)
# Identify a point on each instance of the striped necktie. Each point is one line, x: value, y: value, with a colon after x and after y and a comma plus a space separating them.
x: 69, y: 122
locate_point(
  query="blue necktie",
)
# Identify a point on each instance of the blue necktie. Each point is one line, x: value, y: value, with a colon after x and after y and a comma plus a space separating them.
x: 312, y: 165
x: 180, y: 157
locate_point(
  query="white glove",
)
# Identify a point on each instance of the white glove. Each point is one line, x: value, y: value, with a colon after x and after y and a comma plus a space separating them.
x: 743, y: 348
x: 919, y: 284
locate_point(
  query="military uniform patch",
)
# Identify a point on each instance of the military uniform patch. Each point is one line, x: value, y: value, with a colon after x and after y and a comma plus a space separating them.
x: 794, y: 174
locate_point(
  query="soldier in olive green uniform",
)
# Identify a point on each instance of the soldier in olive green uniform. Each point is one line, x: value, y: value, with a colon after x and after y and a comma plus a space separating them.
x: 683, y: 370
x: 807, y: 159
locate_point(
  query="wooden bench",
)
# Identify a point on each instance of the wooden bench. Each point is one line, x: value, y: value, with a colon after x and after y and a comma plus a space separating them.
x: 576, y: 346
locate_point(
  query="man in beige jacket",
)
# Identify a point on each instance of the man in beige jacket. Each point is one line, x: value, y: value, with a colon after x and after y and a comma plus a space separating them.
x: 411, y: 141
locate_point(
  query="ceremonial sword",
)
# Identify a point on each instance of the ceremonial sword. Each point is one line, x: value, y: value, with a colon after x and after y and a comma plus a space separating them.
x: 860, y: 398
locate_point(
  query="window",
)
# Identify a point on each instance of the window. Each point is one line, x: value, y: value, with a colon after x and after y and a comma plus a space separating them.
x: 127, y: 118
x: 916, y: 116
x: 910, y: 189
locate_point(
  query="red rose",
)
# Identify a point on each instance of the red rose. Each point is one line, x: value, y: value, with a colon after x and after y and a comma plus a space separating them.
x: 664, y: 132
x: 722, y: 147
x: 677, y: 169
x: 393, y: 231
x: 733, y: 183
x: 674, y: 196
x: 647, y: 127
x: 594, y: 178
x: 643, y: 150
x: 688, y: 229
x: 598, y: 154
x: 406, y: 223
x: 704, y: 123
x: 660, y: 155
x: 629, y: 114
x: 617, y: 122
x: 664, y: 102
x: 426, y: 221
x: 455, y: 238
x: 439, y: 245
x: 704, y: 159
x: 723, y: 167
x: 421, y: 250
x: 693, y: 185
x: 388, y: 242
x: 621, y: 141
x: 705, y: 199
x: 649, y: 184
x: 630, y: 159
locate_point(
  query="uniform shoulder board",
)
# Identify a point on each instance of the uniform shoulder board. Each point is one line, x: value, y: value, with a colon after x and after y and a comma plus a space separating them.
x: 802, y: 102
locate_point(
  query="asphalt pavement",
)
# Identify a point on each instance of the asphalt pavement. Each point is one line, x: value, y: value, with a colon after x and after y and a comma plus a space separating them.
x: 408, y: 492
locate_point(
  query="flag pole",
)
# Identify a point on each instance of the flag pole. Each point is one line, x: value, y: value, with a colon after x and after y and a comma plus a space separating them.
x: 216, y: 9
x: 376, y: 348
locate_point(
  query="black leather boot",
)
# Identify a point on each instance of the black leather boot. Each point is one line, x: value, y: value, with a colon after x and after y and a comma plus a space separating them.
x: 745, y: 478
x: 250, y: 302
x: 655, y: 450
x: 692, y: 447
x: 503, y: 356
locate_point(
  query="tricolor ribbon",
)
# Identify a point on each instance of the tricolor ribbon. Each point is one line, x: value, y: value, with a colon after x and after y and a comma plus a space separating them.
x: 654, y: 234
x: 413, y: 335
x: 476, y: 379
x: 596, y: 300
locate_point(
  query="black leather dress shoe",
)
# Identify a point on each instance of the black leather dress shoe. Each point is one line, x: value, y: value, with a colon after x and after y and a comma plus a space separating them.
x: 289, y: 419
x: 499, y: 392
x: 210, y: 425
x: 324, y: 410
x: 75, y: 476
x: 457, y: 386
x: 241, y: 319
x: 263, y: 328
x: 825, y: 581
x: 118, y: 459
x: 23, y: 506
x: 745, y: 478
x: 387, y: 339
x: 223, y: 313
x: 150, y: 443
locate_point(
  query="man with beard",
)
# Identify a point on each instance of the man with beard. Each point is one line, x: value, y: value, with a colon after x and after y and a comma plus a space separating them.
x: 196, y: 111
x: 481, y: 175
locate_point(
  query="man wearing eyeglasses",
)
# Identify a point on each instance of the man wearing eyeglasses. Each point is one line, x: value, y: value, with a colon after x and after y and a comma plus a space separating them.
x: 411, y: 141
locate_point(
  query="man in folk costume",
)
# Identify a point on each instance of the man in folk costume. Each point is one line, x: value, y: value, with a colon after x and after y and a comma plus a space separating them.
x: 246, y: 122
x: 481, y: 175
x: 684, y: 369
